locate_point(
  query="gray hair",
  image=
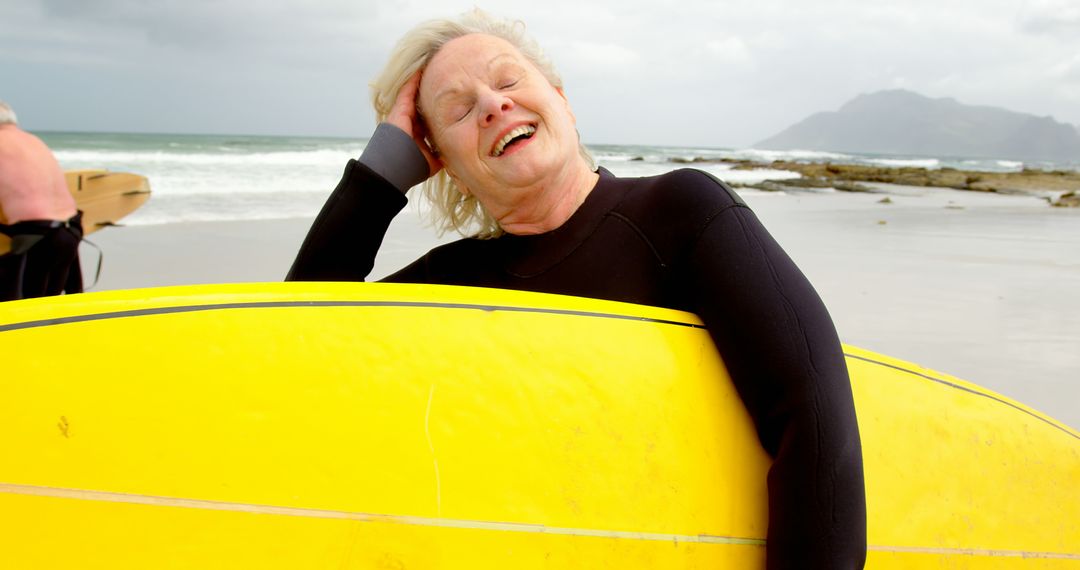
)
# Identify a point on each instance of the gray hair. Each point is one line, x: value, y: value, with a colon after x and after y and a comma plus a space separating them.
x: 451, y: 210
x: 7, y: 116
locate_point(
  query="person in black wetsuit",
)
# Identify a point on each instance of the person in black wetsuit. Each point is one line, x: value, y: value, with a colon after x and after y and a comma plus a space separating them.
x: 473, y: 111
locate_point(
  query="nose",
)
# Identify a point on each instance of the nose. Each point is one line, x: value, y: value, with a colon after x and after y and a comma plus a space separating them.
x: 493, y: 104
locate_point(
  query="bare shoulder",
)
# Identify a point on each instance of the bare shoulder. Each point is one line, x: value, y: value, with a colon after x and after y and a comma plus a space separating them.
x: 15, y: 141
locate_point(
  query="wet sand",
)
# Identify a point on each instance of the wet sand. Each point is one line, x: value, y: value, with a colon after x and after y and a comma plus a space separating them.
x: 983, y: 287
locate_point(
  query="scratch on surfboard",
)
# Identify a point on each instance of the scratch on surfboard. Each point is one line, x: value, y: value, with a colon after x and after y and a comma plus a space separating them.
x: 431, y: 446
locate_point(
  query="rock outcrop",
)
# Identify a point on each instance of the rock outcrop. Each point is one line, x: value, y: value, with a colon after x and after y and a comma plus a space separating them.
x: 1064, y: 184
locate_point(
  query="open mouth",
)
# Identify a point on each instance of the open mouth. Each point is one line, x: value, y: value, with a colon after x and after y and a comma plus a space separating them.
x: 516, y: 136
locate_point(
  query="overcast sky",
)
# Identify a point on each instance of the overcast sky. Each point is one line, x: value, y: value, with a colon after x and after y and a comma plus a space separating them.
x: 695, y: 73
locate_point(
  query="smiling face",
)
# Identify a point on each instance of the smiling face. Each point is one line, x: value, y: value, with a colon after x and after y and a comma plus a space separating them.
x: 503, y: 132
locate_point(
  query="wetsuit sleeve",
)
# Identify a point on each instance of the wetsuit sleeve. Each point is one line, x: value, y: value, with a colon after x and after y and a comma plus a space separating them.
x: 342, y: 243
x: 784, y: 357
x: 346, y: 235
x: 393, y: 155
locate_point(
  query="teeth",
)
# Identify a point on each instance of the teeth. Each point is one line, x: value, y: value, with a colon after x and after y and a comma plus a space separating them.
x: 522, y: 130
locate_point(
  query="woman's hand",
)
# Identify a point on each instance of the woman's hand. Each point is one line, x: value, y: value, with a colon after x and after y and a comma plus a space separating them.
x: 404, y: 116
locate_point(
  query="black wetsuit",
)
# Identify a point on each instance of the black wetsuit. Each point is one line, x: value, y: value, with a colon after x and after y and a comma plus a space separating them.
x: 681, y: 240
x: 44, y: 259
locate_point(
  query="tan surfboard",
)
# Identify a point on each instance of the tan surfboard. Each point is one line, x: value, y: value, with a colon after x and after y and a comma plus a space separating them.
x: 104, y: 198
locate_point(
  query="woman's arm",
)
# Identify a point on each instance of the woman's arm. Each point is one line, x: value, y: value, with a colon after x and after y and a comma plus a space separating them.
x: 782, y: 351
x: 342, y: 243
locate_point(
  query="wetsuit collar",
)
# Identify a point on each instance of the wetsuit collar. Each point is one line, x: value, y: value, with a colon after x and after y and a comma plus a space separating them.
x: 532, y: 255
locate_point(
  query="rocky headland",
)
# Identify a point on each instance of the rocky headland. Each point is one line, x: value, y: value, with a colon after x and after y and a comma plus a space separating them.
x: 899, y: 122
x: 1059, y: 187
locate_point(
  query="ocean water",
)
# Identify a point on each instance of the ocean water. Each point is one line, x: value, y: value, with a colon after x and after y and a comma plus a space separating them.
x: 237, y: 177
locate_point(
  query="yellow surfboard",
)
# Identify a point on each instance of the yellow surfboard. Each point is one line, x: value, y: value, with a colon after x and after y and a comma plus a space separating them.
x: 104, y: 198
x: 408, y: 426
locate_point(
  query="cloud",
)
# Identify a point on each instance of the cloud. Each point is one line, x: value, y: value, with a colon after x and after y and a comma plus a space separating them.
x: 1068, y: 69
x: 597, y: 57
x: 1052, y: 17
x: 291, y: 32
x: 730, y: 50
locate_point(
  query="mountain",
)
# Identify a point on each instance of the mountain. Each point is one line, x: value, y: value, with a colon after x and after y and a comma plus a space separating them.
x: 906, y: 123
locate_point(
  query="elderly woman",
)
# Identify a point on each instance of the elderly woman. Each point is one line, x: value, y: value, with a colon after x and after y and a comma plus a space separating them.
x: 472, y: 109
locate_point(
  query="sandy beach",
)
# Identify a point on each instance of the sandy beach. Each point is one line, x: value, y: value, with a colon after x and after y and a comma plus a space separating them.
x: 982, y: 287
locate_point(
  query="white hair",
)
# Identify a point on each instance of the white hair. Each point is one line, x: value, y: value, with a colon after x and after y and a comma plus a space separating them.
x: 451, y: 210
x: 7, y: 116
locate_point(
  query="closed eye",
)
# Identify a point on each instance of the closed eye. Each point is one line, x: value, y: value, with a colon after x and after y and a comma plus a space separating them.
x: 458, y: 111
x: 508, y: 84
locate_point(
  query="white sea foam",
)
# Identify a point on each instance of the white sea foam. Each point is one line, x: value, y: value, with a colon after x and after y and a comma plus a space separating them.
x: 755, y: 176
x: 293, y: 158
x: 907, y: 162
x: 770, y: 155
x: 230, y: 184
x: 1012, y: 164
x: 607, y: 157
